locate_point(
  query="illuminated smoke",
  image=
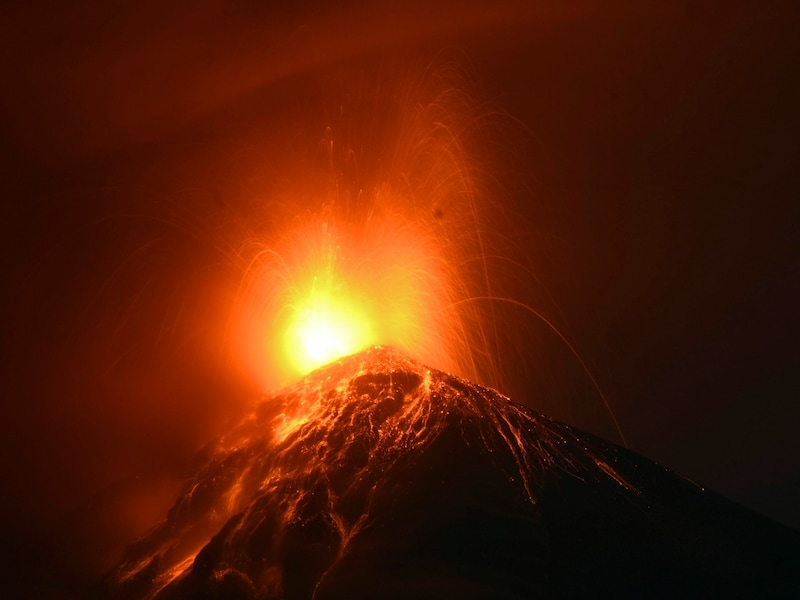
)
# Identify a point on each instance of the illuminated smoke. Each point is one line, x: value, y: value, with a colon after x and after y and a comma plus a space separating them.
x: 386, y: 243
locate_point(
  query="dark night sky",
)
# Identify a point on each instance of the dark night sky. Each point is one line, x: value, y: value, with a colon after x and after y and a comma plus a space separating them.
x: 656, y: 152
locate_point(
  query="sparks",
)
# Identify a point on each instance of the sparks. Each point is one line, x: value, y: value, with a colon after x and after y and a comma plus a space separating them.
x: 377, y: 243
x: 333, y: 286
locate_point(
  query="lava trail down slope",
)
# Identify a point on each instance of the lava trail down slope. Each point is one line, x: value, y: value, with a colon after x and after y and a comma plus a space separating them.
x: 378, y: 477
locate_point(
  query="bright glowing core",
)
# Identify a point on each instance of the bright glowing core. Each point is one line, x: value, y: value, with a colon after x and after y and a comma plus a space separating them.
x: 331, y: 287
x: 325, y: 328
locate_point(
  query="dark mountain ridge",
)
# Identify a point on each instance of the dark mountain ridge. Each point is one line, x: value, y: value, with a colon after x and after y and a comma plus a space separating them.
x: 378, y: 477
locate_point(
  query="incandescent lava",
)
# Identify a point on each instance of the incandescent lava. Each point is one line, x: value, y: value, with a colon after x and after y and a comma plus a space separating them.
x: 376, y: 476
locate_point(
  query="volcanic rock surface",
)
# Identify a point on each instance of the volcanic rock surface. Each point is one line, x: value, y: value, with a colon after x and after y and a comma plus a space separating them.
x: 378, y: 477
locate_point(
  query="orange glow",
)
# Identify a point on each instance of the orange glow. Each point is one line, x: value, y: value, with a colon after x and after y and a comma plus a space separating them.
x: 379, y: 241
x: 325, y: 328
x: 332, y: 286
x: 325, y: 316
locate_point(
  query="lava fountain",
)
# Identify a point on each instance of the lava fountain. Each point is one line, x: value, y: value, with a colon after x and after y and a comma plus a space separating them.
x: 370, y: 474
x: 386, y: 243
x: 320, y: 214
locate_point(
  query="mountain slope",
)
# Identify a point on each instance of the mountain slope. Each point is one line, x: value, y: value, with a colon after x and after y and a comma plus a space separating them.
x: 377, y: 477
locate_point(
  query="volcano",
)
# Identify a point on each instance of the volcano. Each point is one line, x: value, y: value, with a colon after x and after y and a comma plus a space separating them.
x: 378, y: 477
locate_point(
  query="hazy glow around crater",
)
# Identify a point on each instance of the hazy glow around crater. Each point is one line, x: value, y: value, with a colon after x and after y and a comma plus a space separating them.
x: 379, y: 237
x: 326, y: 325
x: 332, y: 286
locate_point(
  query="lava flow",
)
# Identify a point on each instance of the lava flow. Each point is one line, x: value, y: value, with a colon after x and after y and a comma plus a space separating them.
x: 378, y: 477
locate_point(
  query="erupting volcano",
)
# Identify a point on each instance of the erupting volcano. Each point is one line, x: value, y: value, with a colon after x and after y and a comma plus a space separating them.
x: 323, y: 234
x: 378, y: 477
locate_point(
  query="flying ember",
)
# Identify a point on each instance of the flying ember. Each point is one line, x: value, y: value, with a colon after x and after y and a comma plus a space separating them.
x: 379, y: 240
